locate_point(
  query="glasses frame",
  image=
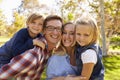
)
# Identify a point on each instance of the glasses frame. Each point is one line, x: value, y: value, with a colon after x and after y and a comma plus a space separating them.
x: 52, y: 28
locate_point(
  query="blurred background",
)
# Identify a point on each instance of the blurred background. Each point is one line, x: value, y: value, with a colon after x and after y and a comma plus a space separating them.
x: 13, y: 14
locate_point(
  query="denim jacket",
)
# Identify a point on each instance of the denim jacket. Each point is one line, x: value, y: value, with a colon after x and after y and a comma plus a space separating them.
x: 98, y: 71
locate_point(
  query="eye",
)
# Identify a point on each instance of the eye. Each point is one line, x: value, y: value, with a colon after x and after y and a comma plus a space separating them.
x: 59, y: 29
x: 78, y: 34
x: 33, y: 22
x: 86, y: 35
x: 50, y: 28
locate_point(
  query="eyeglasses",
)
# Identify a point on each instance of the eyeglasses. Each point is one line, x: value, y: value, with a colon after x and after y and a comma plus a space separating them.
x: 52, y: 28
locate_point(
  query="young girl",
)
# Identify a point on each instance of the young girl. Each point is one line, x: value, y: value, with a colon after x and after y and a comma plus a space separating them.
x: 88, y: 53
x: 23, y: 40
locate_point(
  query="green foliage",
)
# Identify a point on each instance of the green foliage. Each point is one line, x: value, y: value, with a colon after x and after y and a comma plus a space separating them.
x: 115, y: 39
x: 19, y: 22
x: 112, y: 66
x: 43, y: 77
x: 112, y: 17
x: 70, y: 16
x: 115, y: 43
x: 70, y: 9
x: 3, y: 40
x: 3, y: 30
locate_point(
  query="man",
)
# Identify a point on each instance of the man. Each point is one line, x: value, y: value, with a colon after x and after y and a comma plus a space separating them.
x: 30, y: 65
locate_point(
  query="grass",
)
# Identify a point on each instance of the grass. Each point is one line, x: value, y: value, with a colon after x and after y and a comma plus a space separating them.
x: 3, y: 40
x: 111, y: 63
x: 43, y: 75
x: 112, y: 67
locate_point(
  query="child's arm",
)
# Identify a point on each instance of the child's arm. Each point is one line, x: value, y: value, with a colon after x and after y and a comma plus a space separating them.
x: 87, y: 70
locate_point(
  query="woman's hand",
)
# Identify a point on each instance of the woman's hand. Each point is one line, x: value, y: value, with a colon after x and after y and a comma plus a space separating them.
x: 39, y: 43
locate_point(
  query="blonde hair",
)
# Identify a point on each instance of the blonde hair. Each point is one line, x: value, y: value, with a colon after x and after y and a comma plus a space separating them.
x: 61, y: 50
x: 33, y: 17
x: 88, y: 20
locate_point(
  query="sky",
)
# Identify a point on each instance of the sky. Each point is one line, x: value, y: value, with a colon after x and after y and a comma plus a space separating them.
x: 8, y: 6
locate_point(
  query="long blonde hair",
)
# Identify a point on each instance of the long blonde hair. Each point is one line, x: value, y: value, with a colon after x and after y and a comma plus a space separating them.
x: 88, y: 20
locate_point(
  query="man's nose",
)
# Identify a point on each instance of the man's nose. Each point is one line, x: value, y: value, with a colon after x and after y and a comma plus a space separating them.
x: 55, y: 31
x: 67, y: 35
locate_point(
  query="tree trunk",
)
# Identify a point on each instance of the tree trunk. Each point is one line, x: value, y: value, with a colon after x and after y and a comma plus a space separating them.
x: 102, y: 27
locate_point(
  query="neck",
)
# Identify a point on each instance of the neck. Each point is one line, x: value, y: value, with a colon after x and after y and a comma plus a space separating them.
x: 31, y: 34
x: 69, y: 50
x: 51, y: 46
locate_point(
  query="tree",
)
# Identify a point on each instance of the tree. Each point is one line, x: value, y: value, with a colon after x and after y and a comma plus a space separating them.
x: 32, y: 6
x: 102, y: 27
x: 18, y: 23
x: 3, y: 29
x: 112, y: 17
x: 112, y: 10
x: 70, y: 9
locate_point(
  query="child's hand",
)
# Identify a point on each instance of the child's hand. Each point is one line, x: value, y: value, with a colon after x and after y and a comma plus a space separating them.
x: 38, y: 42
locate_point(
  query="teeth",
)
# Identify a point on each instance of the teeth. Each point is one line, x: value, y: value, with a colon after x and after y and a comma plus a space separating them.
x: 67, y: 41
x: 54, y: 36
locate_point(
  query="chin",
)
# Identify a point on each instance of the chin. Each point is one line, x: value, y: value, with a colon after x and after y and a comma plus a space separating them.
x: 67, y: 45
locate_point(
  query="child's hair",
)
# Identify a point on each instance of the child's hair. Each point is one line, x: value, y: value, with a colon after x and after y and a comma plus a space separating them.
x: 88, y: 20
x: 33, y: 17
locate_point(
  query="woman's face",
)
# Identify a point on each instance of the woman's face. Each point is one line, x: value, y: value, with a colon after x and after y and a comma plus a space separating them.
x: 68, y: 36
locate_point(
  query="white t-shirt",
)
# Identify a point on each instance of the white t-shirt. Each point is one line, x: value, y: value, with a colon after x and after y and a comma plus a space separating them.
x: 89, y: 56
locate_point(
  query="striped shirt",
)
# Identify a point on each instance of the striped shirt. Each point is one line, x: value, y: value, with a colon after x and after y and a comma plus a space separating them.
x: 27, y: 66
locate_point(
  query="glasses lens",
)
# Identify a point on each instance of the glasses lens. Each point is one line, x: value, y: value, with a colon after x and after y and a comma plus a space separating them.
x: 52, y: 28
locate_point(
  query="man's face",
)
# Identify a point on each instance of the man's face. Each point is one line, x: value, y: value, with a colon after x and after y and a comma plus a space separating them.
x: 53, y: 32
